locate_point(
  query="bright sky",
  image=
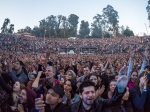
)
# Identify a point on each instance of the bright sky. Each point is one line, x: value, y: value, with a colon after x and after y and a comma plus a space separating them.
x: 24, y: 13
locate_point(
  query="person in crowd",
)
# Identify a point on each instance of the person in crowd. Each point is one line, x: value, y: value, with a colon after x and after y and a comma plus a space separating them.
x: 86, y: 71
x: 123, y: 63
x: 99, y: 88
x: 53, y: 101
x: 110, y: 92
x: 31, y: 79
x: 19, y: 73
x: 124, y: 106
x: 140, y: 94
x: 70, y: 96
x: 134, y: 73
x: 88, y: 101
x: 49, y: 81
x: 26, y: 100
x: 15, y: 94
x: 70, y: 74
x: 98, y: 70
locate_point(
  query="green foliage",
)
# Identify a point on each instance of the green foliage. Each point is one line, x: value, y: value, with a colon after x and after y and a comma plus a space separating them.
x: 97, y: 26
x: 128, y: 32
x: 28, y: 29
x: 107, y: 35
x: 57, y: 26
x: 73, y: 24
x: 148, y: 10
x: 36, y: 31
x: 111, y: 17
x: 96, y: 32
x: 104, y: 25
x: 4, y: 27
x: 65, y: 27
x: 84, y: 29
x: 11, y: 29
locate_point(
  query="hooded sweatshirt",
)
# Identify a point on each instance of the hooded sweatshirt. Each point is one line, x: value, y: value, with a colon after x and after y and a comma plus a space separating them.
x: 31, y: 95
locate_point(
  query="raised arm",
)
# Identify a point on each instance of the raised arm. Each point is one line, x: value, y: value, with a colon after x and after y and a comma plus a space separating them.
x: 119, y: 92
x: 36, y: 82
x: 144, y: 61
x: 139, y: 100
x: 122, y: 70
x: 105, y: 66
x: 132, y: 53
x: 111, y: 67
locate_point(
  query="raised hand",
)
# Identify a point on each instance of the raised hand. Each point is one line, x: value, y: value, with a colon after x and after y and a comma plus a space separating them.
x: 40, y: 73
x: 101, y: 90
x: 20, y: 108
x: 144, y: 80
x: 122, y: 83
x: 123, y: 70
x: 146, y: 52
x: 68, y: 96
x: 39, y: 104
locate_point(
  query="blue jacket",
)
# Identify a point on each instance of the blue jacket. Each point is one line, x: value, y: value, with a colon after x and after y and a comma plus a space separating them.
x: 139, y: 100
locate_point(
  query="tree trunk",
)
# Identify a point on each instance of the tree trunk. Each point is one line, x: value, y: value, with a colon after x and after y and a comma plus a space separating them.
x: 114, y: 32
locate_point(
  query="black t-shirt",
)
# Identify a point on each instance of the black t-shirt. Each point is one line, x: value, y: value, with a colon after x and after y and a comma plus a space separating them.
x: 86, y: 110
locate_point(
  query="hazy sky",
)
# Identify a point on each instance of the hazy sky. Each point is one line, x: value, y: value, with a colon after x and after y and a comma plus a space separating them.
x: 24, y: 13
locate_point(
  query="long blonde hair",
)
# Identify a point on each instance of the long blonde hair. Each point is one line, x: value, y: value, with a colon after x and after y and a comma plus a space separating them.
x: 14, y: 95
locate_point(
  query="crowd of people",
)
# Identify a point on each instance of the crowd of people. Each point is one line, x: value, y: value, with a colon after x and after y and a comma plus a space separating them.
x: 20, y: 43
x: 35, y: 77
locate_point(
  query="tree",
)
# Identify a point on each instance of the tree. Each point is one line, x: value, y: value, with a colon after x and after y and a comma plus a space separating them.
x: 11, y: 29
x: 28, y: 29
x: 5, y: 25
x: 73, y: 24
x: 84, y: 29
x: 128, y: 32
x: 99, y: 26
x: 122, y: 29
x: 111, y: 16
x: 36, y: 31
x: 59, y: 21
x: 42, y: 27
x: 96, y: 32
x: 65, y: 26
x: 51, y: 25
x: 21, y: 31
x: 148, y: 10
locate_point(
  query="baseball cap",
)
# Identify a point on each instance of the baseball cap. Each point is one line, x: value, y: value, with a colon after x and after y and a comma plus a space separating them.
x: 57, y: 88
